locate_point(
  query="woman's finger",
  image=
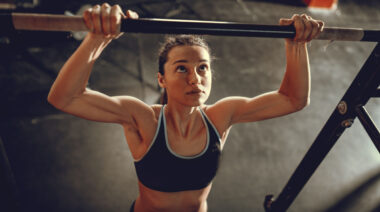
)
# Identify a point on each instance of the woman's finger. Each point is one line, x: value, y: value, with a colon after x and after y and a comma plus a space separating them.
x: 116, y: 16
x: 321, y: 25
x: 115, y: 19
x: 299, y: 26
x: 105, y: 17
x: 308, y: 28
x: 285, y: 22
x: 132, y: 14
x: 96, y: 19
x: 314, y: 31
x: 88, y: 19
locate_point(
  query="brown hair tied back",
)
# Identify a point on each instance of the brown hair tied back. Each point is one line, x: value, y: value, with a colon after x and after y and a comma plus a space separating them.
x: 171, y: 42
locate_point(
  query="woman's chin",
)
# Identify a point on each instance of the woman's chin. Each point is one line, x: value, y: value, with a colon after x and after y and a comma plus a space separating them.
x: 197, y: 102
x: 192, y: 102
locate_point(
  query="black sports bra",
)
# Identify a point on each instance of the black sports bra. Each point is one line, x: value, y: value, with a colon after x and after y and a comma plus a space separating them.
x: 163, y: 170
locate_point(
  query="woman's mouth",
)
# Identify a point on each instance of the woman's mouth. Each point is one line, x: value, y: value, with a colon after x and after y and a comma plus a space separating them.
x: 196, y: 91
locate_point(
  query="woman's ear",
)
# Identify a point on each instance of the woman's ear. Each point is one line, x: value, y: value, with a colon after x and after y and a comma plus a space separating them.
x: 161, y: 80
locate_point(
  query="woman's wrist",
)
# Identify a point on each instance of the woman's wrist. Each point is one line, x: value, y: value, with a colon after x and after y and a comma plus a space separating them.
x: 94, y: 44
x: 97, y: 39
x: 294, y: 44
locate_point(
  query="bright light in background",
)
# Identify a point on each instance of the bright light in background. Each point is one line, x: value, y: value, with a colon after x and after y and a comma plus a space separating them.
x: 13, y: 4
x: 322, y: 7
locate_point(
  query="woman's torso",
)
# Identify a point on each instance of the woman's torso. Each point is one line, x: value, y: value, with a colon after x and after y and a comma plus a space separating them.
x: 194, y: 143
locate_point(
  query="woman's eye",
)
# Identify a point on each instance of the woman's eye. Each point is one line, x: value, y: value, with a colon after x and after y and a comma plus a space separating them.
x: 203, y: 67
x: 181, y: 69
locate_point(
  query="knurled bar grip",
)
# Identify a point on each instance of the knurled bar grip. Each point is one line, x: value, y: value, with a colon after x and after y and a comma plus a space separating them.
x: 48, y: 22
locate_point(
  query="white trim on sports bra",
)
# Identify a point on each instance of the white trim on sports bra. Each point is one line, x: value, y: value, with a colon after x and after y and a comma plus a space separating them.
x: 182, y: 156
x: 155, y: 136
x: 162, y: 116
x: 216, y: 131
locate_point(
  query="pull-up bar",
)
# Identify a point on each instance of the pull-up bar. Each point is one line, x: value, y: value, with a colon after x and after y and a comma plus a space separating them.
x: 48, y: 22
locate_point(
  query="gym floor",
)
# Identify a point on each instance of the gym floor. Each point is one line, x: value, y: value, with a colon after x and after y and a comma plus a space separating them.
x: 63, y: 163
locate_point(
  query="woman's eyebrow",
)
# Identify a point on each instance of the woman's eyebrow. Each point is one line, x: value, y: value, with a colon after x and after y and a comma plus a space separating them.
x: 180, y: 61
x: 185, y: 61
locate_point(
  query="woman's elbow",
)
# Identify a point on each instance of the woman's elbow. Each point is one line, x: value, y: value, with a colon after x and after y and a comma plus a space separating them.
x: 56, y: 101
x: 301, y: 104
x: 53, y: 101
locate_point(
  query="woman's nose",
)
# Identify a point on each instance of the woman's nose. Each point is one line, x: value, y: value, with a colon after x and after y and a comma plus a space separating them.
x: 194, y: 77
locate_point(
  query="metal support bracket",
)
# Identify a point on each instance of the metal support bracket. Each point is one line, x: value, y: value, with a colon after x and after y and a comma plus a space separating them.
x: 364, y: 86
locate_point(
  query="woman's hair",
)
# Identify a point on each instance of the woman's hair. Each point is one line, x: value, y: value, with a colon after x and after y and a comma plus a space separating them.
x: 171, y: 42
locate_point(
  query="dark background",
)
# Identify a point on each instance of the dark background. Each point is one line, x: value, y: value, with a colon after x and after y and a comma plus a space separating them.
x: 64, y: 163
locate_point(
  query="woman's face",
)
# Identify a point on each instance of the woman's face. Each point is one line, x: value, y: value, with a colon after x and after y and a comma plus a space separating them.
x: 187, y: 77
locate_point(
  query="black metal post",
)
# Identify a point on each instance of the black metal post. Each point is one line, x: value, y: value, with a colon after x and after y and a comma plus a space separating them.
x: 369, y: 125
x: 8, y: 190
x: 359, y: 92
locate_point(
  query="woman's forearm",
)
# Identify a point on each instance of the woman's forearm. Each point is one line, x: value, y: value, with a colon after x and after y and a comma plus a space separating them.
x: 296, y: 82
x: 73, y: 76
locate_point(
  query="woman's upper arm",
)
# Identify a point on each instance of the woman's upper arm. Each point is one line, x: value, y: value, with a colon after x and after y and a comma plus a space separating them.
x: 242, y: 109
x: 96, y: 106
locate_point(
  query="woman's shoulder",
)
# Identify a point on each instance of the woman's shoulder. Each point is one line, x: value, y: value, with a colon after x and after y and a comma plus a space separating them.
x: 218, y: 119
x: 220, y: 111
x: 138, y: 109
x: 156, y: 109
x: 211, y: 112
x: 224, y: 107
x: 217, y: 108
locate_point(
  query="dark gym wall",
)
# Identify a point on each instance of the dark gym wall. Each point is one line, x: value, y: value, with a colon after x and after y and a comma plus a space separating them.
x: 64, y: 163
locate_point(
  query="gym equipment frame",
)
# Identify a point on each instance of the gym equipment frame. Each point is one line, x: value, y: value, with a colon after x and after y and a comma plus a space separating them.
x: 364, y: 87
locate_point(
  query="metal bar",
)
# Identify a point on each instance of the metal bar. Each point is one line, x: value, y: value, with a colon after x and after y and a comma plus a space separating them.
x: 170, y: 26
x: 8, y: 191
x: 369, y: 125
x: 48, y: 22
x: 359, y: 92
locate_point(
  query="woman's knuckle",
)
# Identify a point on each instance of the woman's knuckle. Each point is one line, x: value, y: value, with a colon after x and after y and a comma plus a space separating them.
x: 116, y: 6
x: 105, y: 5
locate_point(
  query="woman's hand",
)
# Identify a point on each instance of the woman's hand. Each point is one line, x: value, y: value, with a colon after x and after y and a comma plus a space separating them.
x: 306, y: 27
x: 104, y: 21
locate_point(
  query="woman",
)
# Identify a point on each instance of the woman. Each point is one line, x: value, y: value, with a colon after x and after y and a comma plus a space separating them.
x: 176, y: 146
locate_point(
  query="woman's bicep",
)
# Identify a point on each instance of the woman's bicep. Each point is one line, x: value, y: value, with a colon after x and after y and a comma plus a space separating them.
x: 265, y: 106
x: 96, y: 106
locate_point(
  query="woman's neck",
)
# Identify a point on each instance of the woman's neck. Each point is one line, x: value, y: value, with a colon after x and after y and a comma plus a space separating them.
x: 181, y: 118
